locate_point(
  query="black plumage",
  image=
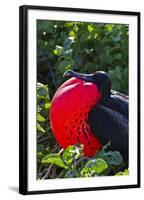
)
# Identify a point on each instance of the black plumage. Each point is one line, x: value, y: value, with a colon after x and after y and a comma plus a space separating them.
x: 109, y: 122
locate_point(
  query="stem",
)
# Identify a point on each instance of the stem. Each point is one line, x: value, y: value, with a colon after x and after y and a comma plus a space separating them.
x: 53, y: 175
x: 48, y: 172
x: 80, y: 160
x: 55, y: 149
x: 40, y: 168
x: 42, y: 173
x: 75, y: 167
x: 43, y: 139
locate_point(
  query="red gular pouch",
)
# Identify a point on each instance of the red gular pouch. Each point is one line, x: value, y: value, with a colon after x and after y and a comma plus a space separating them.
x: 69, y: 111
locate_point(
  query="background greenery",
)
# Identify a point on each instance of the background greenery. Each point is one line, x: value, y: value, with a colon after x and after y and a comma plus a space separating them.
x: 83, y: 47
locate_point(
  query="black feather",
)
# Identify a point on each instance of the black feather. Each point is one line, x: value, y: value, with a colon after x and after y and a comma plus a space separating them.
x: 118, y: 102
x: 109, y: 122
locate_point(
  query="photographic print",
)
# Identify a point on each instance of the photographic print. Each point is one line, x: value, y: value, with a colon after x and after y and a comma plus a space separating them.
x: 82, y: 99
x: 81, y: 129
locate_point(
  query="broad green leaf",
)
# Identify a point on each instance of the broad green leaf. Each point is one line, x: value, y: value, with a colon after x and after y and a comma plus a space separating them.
x: 115, y: 158
x: 71, y: 33
x: 68, y: 24
x: 68, y: 42
x: 90, y: 28
x: 47, y: 105
x: 94, y: 167
x: 117, y: 56
x: 111, y: 73
x: 54, y: 159
x: 109, y: 27
x: 42, y: 90
x: 71, y: 153
x: 84, y: 37
x: 111, y: 157
x: 39, y: 128
x: 68, y: 53
x: 58, y: 50
x: 116, y: 37
x: 40, y: 118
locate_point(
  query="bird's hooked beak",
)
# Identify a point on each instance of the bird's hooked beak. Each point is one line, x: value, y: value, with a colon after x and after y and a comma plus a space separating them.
x: 84, y: 77
x: 100, y: 78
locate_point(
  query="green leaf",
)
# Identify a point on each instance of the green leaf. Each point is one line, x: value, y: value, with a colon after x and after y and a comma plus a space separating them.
x: 90, y: 28
x: 47, y: 105
x: 40, y: 118
x: 125, y: 173
x: 111, y: 157
x: 68, y: 42
x: 58, y: 50
x: 111, y: 73
x: 116, y: 37
x: 118, y: 72
x: 40, y: 155
x: 38, y: 108
x: 117, y: 56
x: 94, y: 167
x: 71, y: 153
x: 84, y: 37
x: 115, y: 158
x: 54, y: 159
x: 109, y: 27
x: 68, y: 53
x: 39, y: 128
x: 42, y: 90
x: 68, y: 24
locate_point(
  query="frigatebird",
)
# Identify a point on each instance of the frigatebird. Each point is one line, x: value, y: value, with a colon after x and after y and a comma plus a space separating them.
x: 86, y: 110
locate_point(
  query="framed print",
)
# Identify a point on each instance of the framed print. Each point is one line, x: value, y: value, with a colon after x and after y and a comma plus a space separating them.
x: 79, y: 100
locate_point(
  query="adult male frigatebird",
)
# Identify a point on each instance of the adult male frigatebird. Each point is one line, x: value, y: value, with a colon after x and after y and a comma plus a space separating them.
x: 85, y: 110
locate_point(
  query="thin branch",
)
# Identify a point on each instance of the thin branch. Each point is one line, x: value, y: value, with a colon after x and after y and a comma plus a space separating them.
x: 42, y: 173
x: 55, y: 149
x: 44, y: 139
x: 80, y: 160
x: 48, y: 172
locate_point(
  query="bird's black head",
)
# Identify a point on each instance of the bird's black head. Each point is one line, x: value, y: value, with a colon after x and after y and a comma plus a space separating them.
x: 100, y: 78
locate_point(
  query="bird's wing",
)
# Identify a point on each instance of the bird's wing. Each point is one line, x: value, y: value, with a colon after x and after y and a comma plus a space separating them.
x: 117, y: 102
x: 110, y: 125
x: 124, y: 96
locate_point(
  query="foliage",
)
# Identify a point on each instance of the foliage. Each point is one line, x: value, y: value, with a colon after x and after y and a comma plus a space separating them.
x: 86, y: 48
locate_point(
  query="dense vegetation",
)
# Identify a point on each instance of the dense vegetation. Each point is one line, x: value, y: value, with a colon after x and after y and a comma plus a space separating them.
x: 83, y: 47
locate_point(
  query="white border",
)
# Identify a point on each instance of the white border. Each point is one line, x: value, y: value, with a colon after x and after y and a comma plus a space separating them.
x: 33, y: 184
